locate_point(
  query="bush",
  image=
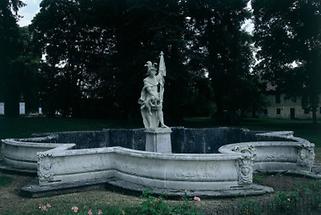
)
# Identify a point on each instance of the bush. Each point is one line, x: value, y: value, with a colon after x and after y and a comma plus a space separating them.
x: 249, y: 207
x: 5, y: 181
x: 157, y: 206
x: 152, y: 205
x: 285, y: 202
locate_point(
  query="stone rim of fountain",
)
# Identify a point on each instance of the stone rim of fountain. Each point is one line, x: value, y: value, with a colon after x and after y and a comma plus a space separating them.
x: 226, y: 152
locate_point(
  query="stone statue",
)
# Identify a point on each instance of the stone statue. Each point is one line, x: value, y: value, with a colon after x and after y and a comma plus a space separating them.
x: 151, y: 98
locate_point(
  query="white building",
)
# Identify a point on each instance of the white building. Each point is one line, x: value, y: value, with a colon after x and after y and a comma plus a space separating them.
x: 279, y: 106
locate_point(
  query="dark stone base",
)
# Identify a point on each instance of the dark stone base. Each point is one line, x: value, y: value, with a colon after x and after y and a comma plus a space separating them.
x: 315, y: 172
x: 9, y: 169
x: 33, y: 190
x: 248, y: 190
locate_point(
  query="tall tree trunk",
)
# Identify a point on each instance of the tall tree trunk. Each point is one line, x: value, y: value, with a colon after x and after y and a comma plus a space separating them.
x: 314, y: 104
x: 314, y: 115
x: 219, y: 115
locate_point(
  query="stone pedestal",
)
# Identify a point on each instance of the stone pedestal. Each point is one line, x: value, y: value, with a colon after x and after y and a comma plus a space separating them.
x: 158, y: 140
x: 22, y: 108
x: 1, y: 108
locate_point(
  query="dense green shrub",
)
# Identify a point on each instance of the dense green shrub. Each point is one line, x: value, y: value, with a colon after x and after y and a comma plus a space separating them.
x: 285, y: 202
x: 5, y: 180
x: 249, y: 207
x: 157, y: 206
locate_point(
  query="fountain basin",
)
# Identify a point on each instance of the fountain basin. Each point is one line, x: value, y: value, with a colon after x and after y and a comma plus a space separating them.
x: 209, y: 161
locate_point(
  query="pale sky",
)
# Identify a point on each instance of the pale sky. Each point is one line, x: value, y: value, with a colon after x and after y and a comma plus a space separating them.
x: 28, y: 11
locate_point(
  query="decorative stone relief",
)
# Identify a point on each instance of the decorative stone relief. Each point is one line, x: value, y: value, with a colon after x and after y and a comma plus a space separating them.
x: 306, y: 156
x: 245, y: 164
x: 45, y: 173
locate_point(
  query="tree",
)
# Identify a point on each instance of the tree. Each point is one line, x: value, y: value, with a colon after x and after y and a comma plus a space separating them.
x: 10, y: 48
x: 217, y: 36
x: 97, y: 49
x: 77, y: 54
x: 288, y: 34
x: 153, y: 26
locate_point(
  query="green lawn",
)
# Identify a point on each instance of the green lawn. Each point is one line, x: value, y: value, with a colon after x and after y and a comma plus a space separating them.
x: 5, y: 180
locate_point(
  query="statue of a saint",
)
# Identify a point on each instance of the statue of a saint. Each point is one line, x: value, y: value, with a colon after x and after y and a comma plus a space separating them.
x: 151, y: 99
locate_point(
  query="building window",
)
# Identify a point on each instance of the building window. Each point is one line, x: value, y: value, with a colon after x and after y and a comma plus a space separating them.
x: 306, y: 111
x: 320, y: 110
x: 278, y: 111
x: 294, y: 99
x: 277, y: 99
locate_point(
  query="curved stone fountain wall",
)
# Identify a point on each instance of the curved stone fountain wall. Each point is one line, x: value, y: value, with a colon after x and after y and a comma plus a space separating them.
x: 292, y: 154
x: 116, y: 156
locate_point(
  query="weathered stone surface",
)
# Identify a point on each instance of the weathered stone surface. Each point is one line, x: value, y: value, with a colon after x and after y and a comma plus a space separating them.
x: 60, y: 164
x: 194, y: 141
x: 178, y: 139
x: 33, y: 189
x: 273, y: 155
x: 158, y: 140
x: 84, y: 139
x: 119, y: 137
x: 253, y: 189
x: 150, y: 169
x: 184, y: 140
x: 138, y: 139
x: 22, y: 155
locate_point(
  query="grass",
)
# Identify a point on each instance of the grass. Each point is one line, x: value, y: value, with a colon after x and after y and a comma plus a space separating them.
x: 5, y: 181
x: 111, y: 203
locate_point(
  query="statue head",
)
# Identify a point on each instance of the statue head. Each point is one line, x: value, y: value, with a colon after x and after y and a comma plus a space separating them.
x: 151, y: 67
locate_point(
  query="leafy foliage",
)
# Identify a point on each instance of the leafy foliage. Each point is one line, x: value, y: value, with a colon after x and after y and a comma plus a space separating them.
x: 93, y: 54
x: 216, y: 35
x: 285, y: 202
x: 5, y: 180
x: 95, y: 51
x: 288, y: 35
x: 250, y: 207
x: 10, y: 48
x: 157, y: 206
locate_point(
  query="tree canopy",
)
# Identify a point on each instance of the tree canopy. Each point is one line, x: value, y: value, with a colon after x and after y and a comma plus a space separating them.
x: 97, y: 49
x: 288, y: 34
x: 86, y: 58
x: 10, y: 48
